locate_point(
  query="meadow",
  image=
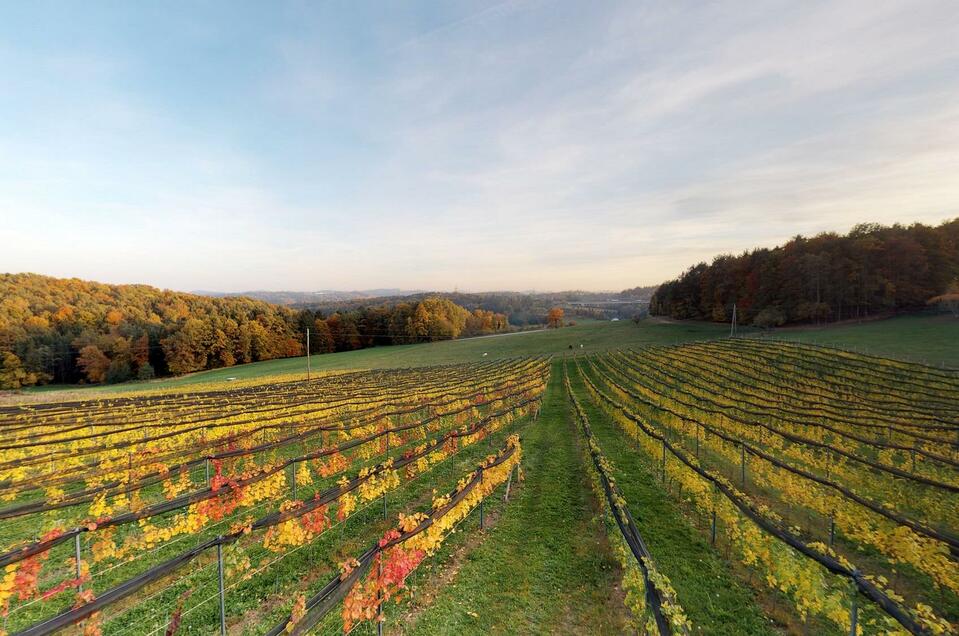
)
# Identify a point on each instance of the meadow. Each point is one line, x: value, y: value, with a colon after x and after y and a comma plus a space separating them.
x: 659, y: 479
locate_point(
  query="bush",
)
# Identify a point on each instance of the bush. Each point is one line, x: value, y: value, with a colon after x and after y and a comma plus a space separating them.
x: 118, y: 371
x: 769, y: 317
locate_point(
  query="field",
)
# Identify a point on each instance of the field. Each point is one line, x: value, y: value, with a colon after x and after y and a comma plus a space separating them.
x: 929, y: 339
x: 593, y: 335
x: 659, y: 479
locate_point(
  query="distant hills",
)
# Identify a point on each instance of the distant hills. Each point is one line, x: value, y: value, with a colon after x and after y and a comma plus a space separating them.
x: 311, y: 297
x: 522, y: 308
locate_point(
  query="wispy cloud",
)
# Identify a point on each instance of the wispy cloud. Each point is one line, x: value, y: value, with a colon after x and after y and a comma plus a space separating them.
x: 516, y: 144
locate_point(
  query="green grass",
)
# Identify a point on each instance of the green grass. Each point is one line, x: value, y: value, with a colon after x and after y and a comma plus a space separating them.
x: 928, y: 339
x: 593, y: 335
x: 715, y: 601
x: 545, y: 567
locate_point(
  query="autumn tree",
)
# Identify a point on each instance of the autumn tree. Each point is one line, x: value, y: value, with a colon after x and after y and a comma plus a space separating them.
x: 67, y: 330
x: 321, y: 341
x: 13, y: 375
x: 872, y: 269
x: 94, y: 363
x: 949, y: 300
x: 554, y: 319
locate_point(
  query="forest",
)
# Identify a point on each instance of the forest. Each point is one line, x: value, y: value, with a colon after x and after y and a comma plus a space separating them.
x: 872, y: 270
x: 521, y: 309
x: 69, y: 330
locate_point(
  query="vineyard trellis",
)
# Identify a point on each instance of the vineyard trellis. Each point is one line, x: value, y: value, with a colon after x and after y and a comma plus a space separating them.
x: 278, y: 480
x: 676, y: 399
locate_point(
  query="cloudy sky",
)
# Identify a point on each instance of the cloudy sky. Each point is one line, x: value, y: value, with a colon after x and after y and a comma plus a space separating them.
x: 521, y: 144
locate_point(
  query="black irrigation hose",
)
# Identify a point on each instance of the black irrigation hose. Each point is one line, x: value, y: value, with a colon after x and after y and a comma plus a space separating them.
x: 797, y: 439
x: 916, y: 526
x: 918, y: 432
x: 629, y: 530
x: 784, y: 356
x: 319, y: 605
x: 862, y: 584
x: 184, y: 501
x: 216, y: 442
x: 356, y: 397
x: 869, y: 442
x: 198, y: 426
x: 88, y: 494
x: 271, y: 388
x: 947, y: 375
x: 745, y: 376
x: 71, y: 616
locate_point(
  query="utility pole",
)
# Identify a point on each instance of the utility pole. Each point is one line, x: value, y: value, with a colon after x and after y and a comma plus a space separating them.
x: 732, y: 325
x: 307, y: 353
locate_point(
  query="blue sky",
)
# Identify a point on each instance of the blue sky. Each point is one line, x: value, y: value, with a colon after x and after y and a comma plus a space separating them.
x: 511, y: 145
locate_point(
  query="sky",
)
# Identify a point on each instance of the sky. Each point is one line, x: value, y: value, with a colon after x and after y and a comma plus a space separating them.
x: 532, y: 144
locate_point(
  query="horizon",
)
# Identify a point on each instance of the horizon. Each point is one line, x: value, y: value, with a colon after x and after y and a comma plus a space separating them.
x: 489, y: 147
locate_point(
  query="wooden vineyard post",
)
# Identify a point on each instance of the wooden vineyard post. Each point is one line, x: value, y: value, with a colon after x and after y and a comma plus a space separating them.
x: 697, y: 439
x: 832, y: 531
x: 207, y: 462
x: 294, y: 480
x: 219, y: 562
x: 509, y: 480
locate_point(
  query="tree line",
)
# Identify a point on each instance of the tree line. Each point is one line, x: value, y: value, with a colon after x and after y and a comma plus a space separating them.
x: 871, y: 270
x: 521, y: 309
x: 69, y: 330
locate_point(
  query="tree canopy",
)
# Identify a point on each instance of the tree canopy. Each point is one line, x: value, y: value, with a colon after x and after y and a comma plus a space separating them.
x: 69, y: 330
x: 872, y: 269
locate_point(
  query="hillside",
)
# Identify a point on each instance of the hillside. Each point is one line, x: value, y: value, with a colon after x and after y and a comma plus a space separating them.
x: 69, y: 330
x: 871, y: 270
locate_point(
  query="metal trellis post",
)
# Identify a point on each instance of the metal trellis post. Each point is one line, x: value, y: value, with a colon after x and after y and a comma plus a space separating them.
x: 854, y: 610
x: 742, y: 462
x: 713, y: 532
x: 76, y: 554
x: 482, y: 473
x: 219, y: 561
x: 664, y: 459
x: 381, y: 617
x: 697, y: 440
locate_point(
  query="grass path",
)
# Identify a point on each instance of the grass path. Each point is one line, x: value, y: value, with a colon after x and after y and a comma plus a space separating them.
x: 715, y: 601
x: 545, y: 566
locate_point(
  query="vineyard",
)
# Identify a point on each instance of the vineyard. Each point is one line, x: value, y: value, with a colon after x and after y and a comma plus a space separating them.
x: 830, y: 478
x: 736, y: 486
x: 266, y: 508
